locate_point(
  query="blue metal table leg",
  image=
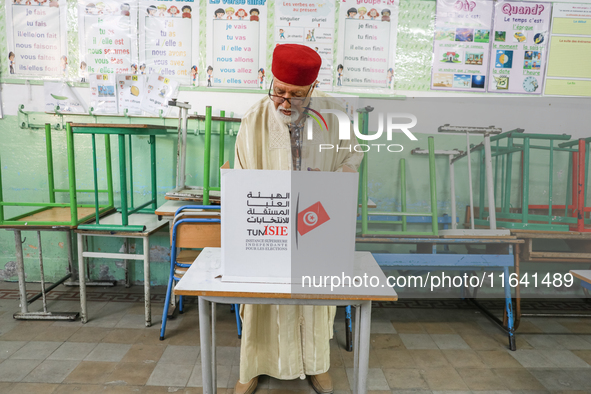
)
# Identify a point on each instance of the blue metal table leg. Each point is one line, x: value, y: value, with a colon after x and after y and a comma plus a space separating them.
x: 348, y: 329
x: 236, y: 310
x: 509, y: 309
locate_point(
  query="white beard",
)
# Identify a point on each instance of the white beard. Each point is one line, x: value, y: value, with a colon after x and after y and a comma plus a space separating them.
x: 285, y: 118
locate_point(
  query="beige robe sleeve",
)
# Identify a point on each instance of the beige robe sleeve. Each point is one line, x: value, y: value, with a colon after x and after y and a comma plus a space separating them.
x: 247, y: 145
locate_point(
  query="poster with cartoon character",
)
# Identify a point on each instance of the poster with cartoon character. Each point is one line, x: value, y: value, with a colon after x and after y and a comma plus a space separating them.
x: 159, y: 90
x: 36, y: 38
x: 366, y: 54
x: 461, y: 48
x: 107, y: 35
x: 130, y: 89
x: 312, y: 24
x: 519, y: 47
x: 236, y: 42
x: 169, y: 39
x: 103, y: 98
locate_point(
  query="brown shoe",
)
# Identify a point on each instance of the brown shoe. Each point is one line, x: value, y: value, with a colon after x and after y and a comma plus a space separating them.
x: 322, y: 383
x: 246, y: 388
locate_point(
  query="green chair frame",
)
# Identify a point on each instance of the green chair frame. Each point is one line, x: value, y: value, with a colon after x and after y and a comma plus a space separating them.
x: 579, y: 182
x: 364, y: 179
x: 503, y: 157
x: 194, y: 193
x: 127, y: 206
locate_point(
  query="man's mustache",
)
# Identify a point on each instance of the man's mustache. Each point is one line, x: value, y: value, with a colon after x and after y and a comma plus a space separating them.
x: 294, y: 112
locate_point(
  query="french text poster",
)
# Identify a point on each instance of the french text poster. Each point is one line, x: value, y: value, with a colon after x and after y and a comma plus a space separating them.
x: 519, y: 47
x: 108, y: 37
x: 130, y: 89
x: 36, y: 38
x: 366, y: 55
x: 103, y: 98
x: 569, y: 56
x: 313, y: 24
x: 236, y: 32
x: 462, y: 45
x: 169, y: 39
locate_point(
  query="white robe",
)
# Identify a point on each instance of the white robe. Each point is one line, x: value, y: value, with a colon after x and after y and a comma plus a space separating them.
x: 287, y: 341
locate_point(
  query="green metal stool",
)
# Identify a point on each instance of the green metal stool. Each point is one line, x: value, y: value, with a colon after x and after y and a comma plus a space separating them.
x: 523, y: 220
x: 207, y: 194
x: 365, y: 231
x: 121, y: 131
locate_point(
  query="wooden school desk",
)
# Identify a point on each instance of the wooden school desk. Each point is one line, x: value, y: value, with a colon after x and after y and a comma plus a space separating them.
x: 584, y: 276
x: 499, y: 256
x: 150, y: 225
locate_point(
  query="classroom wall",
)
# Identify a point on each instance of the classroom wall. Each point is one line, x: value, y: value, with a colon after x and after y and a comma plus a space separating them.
x: 23, y: 165
x: 24, y: 173
x: 23, y: 159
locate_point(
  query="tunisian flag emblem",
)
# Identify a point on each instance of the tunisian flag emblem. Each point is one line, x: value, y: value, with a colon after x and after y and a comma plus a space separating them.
x: 312, y: 217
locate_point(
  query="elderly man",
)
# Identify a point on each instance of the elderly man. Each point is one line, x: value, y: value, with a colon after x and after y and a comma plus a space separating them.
x: 289, y: 341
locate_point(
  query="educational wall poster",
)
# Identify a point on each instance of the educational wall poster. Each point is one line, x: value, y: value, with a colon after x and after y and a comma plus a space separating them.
x: 236, y: 42
x: 59, y: 94
x: 462, y: 45
x: 103, y: 99
x: 518, y: 52
x: 367, y: 52
x: 36, y: 38
x: 169, y: 39
x: 130, y: 89
x: 569, y: 73
x: 107, y: 33
x: 159, y: 90
x: 312, y: 24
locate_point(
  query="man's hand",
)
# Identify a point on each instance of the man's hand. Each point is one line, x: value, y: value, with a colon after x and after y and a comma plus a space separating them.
x: 313, y: 169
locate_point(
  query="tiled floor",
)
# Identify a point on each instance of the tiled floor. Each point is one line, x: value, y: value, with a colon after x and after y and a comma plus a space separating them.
x: 412, y: 351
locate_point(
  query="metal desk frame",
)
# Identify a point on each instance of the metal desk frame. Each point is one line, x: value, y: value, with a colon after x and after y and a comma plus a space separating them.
x: 73, y: 205
x: 486, y: 162
x: 120, y: 130
x: 207, y: 306
x: 458, y: 262
x: 527, y: 253
x: 403, y: 214
x: 503, y: 155
x: 204, y: 194
x: 28, y: 221
x: 24, y: 314
x: 579, y: 173
x: 145, y: 256
x: 207, y: 322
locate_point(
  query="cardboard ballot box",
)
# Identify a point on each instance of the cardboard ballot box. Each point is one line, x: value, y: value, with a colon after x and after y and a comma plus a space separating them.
x: 280, y: 225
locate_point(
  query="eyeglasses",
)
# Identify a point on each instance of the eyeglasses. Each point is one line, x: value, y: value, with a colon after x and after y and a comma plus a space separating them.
x: 295, y: 101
